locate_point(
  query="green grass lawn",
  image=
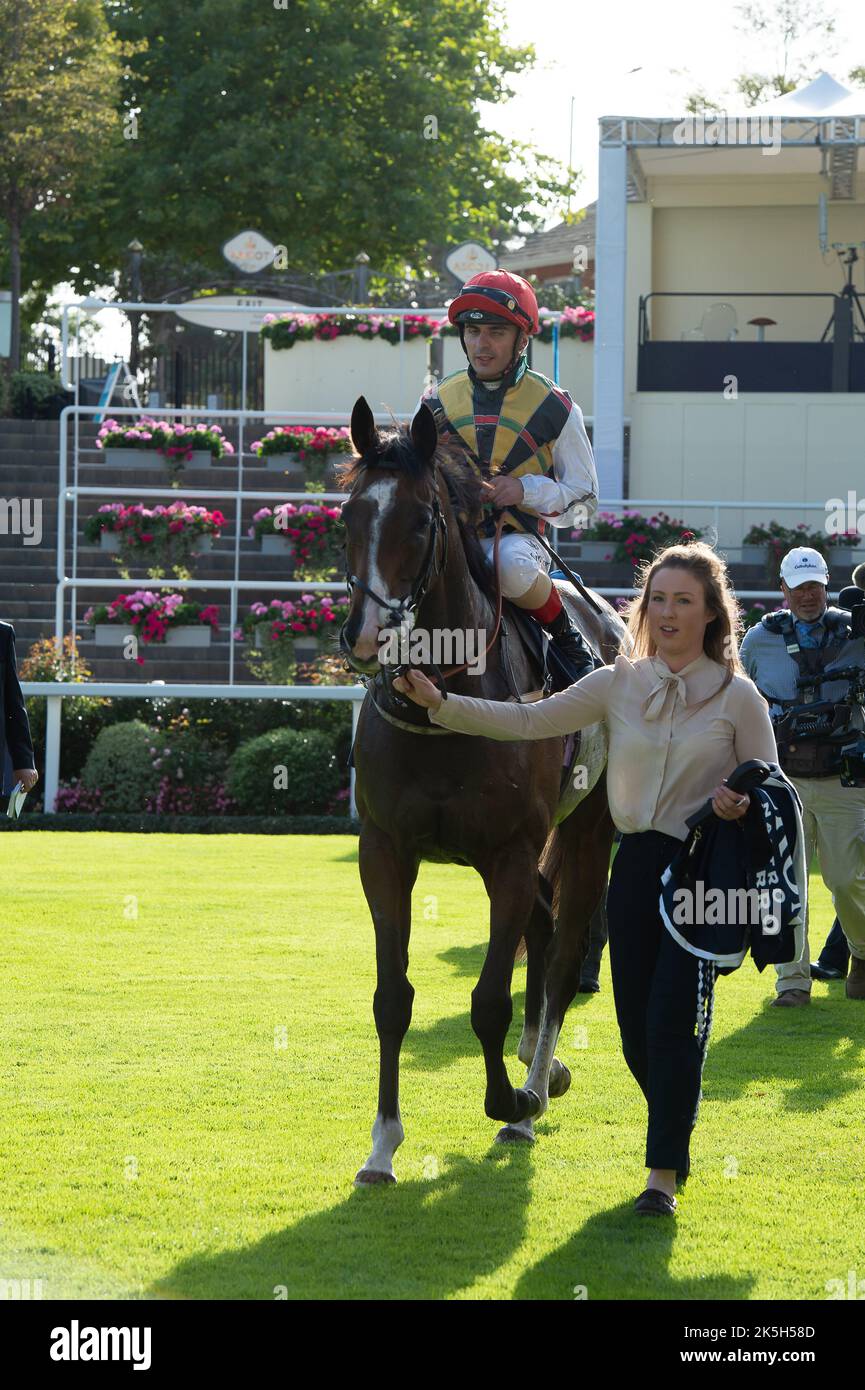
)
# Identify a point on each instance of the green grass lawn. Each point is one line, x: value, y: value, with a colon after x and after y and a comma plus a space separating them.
x: 190, y: 1072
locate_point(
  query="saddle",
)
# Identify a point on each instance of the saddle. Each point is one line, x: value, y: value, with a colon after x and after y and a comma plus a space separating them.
x: 558, y: 673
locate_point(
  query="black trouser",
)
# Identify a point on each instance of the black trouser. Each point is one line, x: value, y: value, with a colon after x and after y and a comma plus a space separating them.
x: 835, y: 954
x: 663, y: 996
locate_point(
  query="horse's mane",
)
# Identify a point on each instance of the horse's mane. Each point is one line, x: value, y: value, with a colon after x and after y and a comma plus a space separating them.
x: 395, y: 450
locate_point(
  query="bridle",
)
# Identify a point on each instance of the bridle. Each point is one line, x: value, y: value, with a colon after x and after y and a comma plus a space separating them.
x: 399, y: 609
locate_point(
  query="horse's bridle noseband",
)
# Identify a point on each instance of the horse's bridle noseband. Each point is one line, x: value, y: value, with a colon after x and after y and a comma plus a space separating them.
x: 399, y: 609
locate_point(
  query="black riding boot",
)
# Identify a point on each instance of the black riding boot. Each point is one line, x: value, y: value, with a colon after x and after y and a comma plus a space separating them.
x: 569, y: 643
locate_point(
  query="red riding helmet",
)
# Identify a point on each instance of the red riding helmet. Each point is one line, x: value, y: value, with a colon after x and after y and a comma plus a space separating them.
x: 496, y: 294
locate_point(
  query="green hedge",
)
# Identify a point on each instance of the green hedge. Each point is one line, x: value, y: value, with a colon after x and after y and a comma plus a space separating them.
x: 35, y: 396
x: 312, y: 775
x: 121, y: 766
x: 222, y: 724
x: 188, y: 825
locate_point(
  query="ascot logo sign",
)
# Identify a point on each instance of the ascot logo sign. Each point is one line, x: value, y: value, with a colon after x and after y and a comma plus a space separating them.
x: 249, y: 251
x: 469, y: 259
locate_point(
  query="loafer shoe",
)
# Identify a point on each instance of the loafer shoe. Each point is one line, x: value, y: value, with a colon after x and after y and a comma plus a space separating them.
x: 792, y: 999
x: 654, y: 1202
x: 826, y: 972
x: 589, y: 987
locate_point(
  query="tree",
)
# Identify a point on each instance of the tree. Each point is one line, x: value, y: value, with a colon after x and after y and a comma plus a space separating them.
x: 331, y: 125
x: 791, y: 29
x: 799, y: 45
x: 59, y: 73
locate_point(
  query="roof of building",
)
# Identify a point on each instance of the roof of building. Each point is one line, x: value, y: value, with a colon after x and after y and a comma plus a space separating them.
x: 555, y: 246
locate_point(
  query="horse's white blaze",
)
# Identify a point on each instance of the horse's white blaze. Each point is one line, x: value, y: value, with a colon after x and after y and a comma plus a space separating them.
x: 387, y: 1135
x: 373, y: 615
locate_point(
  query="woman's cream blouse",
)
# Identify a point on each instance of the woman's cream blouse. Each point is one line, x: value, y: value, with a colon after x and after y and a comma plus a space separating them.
x: 666, y: 758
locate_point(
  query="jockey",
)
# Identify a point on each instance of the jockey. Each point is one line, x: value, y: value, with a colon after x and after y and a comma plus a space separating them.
x: 526, y: 436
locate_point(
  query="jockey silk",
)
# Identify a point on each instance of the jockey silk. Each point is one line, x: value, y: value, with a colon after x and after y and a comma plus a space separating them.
x: 511, y: 431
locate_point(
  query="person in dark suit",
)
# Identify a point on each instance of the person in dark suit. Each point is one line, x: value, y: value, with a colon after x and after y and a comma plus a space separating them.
x: 16, y: 746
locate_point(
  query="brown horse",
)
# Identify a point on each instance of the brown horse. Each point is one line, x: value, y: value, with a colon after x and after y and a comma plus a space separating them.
x: 413, y: 562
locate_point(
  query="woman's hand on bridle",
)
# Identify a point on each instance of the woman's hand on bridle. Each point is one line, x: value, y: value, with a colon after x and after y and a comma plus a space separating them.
x: 418, y: 688
x: 729, y: 805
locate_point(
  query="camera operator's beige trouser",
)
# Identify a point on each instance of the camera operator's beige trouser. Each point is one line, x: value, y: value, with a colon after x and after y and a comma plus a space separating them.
x: 833, y: 819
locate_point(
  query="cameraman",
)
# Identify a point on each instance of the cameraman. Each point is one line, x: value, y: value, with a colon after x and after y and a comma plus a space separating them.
x: 779, y: 650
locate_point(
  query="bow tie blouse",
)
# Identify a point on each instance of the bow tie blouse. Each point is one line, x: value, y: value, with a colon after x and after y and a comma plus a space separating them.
x: 666, y: 757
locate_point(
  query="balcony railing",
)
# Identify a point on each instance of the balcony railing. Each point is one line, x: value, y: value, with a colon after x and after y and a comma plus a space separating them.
x: 693, y: 362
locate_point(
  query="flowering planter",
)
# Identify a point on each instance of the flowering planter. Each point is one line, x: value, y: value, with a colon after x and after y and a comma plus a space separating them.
x: 110, y: 541
x: 841, y: 556
x: 296, y: 469
x: 596, y: 550
x: 754, y: 554
x: 151, y: 458
x: 186, y: 635
x: 322, y: 376
x: 306, y: 648
x: 278, y: 545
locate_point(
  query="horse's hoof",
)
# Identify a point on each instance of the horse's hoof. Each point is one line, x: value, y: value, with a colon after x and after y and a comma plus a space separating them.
x: 511, y: 1135
x: 368, y: 1177
x: 560, y: 1080
x: 529, y: 1105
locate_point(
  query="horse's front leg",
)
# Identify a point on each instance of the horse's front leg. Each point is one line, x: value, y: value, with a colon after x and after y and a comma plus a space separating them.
x: 511, y: 882
x: 387, y: 880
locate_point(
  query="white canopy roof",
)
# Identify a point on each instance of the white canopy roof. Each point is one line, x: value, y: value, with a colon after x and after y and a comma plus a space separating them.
x: 822, y: 97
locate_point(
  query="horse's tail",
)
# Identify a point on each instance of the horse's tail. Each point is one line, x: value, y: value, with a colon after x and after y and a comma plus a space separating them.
x: 549, y: 874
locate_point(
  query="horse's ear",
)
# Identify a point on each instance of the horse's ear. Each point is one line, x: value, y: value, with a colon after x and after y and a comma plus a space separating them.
x: 364, y: 435
x: 424, y: 435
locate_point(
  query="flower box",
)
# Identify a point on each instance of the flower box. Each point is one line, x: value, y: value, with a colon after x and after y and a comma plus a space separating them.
x: 151, y: 458
x: 186, y: 635
x: 754, y: 554
x: 306, y: 648
x: 109, y: 540
x: 321, y: 376
x: 840, y: 556
x: 278, y: 545
x: 596, y: 550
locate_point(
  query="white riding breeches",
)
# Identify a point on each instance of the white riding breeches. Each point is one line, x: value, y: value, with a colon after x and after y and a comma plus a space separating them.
x: 521, y: 559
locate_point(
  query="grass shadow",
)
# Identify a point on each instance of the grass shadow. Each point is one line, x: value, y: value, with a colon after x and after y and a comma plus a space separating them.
x: 619, y: 1254
x: 418, y: 1240
x: 813, y: 1052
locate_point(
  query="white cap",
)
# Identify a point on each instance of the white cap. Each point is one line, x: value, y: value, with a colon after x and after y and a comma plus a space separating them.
x: 802, y: 565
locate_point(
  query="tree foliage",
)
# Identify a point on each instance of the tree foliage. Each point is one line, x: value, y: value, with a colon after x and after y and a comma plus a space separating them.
x: 59, y: 87
x: 330, y: 125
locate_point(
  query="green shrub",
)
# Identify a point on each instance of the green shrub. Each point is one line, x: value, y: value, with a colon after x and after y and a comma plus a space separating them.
x: 36, y: 396
x: 121, y: 766
x: 308, y: 785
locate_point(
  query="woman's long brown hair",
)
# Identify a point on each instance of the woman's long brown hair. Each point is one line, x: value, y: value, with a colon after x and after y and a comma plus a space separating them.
x: 723, y: 634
